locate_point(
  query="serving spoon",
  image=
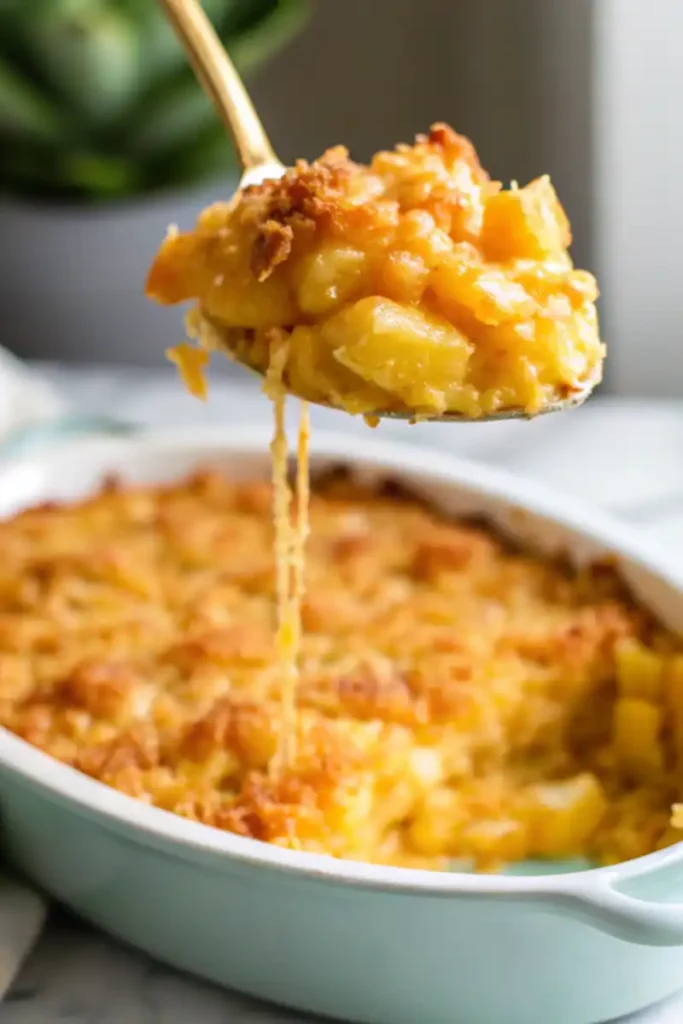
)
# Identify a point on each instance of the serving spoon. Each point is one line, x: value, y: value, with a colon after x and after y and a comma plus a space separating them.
x: 224, y: 87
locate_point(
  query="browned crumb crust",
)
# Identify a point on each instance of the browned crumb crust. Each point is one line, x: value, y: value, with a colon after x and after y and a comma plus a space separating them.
x: 136, y: 644
x: 320, y: 196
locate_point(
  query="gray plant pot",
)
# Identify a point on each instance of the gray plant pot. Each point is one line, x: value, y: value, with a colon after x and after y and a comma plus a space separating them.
x: 72, y: 277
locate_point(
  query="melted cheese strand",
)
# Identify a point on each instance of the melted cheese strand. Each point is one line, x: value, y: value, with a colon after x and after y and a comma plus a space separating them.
x: 285, y: 639
x: 290, y: 538
x: 299, y: 534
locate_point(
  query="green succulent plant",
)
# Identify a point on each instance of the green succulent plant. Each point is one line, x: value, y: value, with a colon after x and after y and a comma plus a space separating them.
x: 97, y: 100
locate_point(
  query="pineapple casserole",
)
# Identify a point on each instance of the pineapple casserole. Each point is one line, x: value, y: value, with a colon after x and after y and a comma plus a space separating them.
x: 414, y: 285
x: 458, y: 699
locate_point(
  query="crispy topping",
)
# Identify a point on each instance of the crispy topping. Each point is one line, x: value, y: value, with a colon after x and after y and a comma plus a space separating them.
x: 457, y: 697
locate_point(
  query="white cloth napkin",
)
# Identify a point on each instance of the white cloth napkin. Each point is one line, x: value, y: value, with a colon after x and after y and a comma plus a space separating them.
x: 24, y: 396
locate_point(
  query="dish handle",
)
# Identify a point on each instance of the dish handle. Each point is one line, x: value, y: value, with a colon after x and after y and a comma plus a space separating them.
x: 634, y: 905
x: 35, y: 435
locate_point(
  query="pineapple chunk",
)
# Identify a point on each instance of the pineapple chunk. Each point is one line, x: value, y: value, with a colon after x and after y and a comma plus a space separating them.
x: 236, y: 298
x: 495, y: 841
x: 555, y: 276
x: 177, y: 272
x: 640, y: 672
x: 218, y: 270
x: 670, y: 836
x: 525, y: 223
x: 564, y: 814
x: 312, y: 370
x: 438, y: 822
x: 402, y: 276
x: 327, y: 278
x: 636, y: 736
x: 414, y: 355
x: 674, y: 702
x: 486, y: 293
x: 673, y: 677
x: 418, y: 234
x: 542, y: 353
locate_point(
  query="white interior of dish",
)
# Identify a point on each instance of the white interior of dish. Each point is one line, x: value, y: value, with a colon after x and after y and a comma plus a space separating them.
x: 540, y: 519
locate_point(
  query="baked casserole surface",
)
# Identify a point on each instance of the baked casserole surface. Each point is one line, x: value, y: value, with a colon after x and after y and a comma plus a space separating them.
x: 458, y: 699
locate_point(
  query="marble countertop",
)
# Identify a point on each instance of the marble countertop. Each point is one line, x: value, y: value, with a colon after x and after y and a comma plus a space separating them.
x: 625, y: 455
x: 78, y: 976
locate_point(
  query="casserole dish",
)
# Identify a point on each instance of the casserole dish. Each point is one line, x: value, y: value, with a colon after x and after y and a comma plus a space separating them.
x: 363, y: 943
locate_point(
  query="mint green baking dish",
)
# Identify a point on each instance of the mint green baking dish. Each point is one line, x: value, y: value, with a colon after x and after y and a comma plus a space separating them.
x: 361, y: 943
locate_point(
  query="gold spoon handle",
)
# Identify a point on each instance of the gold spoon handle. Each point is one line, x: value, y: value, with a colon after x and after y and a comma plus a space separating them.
x: 220, y: 80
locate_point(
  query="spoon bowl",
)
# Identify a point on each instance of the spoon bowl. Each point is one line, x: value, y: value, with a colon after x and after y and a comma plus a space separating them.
x: 561, y: 405
x: 573, y: 401
x: 222, y: 84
